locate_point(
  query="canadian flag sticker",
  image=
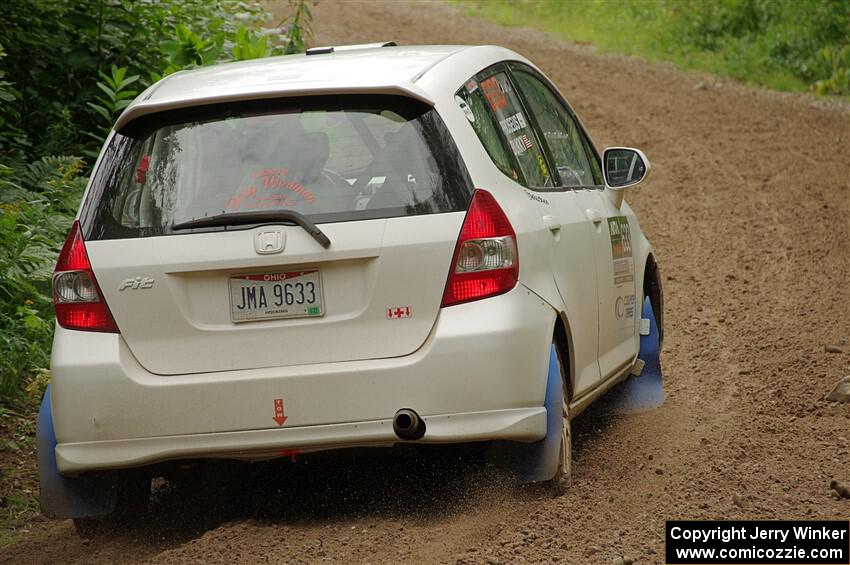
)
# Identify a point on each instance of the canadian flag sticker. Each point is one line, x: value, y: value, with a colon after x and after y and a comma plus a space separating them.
x: 398, y: 312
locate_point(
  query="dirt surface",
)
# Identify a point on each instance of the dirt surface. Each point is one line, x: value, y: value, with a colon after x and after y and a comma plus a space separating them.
x: 18, y: 472
x: 747, y: 209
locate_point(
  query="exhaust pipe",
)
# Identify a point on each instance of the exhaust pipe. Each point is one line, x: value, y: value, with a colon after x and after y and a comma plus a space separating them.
x: 408, y: 425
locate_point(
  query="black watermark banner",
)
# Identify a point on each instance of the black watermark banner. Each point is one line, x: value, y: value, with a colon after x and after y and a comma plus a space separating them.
x: 692, y: 542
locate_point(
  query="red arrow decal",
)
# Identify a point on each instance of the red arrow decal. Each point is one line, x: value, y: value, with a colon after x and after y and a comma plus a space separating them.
x: 279, y: 417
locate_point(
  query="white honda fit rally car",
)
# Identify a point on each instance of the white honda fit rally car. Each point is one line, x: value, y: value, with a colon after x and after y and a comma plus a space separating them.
x: 353, y: 247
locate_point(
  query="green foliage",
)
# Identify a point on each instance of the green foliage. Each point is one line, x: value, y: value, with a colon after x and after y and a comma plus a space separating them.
x: 37, y: 205
x: 782, y: 44
x: 220, y: 42
x: 298, y: 28
x: 250, y: 46
x: 189, y: 50
x: 12, y: 138
x: 58, y: 53
x: 116, y: 96
x: 838, y: 60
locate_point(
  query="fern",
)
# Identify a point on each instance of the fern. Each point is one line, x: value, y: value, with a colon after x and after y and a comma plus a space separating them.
x: 117, y: 95
x: 37, y: 204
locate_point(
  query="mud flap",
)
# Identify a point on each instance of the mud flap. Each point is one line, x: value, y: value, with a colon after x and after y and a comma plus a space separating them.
x: 66, y: 497
x: 645, y: 391
x: 536, y: 462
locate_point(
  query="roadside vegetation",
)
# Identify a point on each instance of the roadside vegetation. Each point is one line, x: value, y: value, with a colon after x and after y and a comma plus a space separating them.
x: 67, y: 70
x: 795, y: 45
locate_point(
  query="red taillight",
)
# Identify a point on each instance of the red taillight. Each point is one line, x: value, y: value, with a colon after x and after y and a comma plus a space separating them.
x: 77, y: 299
x: 486, y: 261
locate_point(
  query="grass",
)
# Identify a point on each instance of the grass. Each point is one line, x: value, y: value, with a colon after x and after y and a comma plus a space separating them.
x: 791, y: 45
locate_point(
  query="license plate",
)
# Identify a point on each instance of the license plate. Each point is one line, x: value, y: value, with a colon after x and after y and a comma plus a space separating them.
x: 269, y: 296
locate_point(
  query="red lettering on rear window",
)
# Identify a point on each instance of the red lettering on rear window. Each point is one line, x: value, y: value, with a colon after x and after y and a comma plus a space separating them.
x: 277, y: 191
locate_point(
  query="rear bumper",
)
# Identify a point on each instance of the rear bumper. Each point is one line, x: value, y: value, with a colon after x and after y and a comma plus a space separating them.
x: 481, y: 375
x: 519, y: 424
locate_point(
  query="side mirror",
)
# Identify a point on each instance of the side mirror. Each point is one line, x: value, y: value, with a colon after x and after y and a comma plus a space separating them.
x: 624, y: 167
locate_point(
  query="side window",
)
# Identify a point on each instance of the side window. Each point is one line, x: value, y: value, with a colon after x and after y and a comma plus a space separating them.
x: 495, y: 99
x: 474, y: 106
x: 568, y: 148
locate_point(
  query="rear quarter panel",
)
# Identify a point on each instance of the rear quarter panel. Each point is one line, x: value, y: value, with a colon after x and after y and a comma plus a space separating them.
x: 518, y: 203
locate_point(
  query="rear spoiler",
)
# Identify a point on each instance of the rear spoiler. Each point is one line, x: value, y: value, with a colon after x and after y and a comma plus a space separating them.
x: 141, y: 107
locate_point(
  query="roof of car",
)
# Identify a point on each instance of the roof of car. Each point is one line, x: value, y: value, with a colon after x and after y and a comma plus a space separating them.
x: 380, y: 70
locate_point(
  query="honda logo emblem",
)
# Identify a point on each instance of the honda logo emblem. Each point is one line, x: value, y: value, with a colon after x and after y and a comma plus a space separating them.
x: 269, y: 242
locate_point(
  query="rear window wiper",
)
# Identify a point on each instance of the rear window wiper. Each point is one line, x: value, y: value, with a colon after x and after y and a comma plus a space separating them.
x: 258, y: 217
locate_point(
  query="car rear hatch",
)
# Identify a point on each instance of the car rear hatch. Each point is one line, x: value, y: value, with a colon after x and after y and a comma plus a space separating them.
x: 207, y: 231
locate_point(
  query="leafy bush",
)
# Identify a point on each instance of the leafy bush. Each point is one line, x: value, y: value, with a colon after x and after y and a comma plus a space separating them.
x: 12, y: 137
x: 58, y: 51
x: 117, y: 95
x: 37, y: 206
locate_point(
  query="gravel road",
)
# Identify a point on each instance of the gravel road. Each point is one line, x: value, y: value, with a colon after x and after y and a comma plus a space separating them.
x: 747, y: 209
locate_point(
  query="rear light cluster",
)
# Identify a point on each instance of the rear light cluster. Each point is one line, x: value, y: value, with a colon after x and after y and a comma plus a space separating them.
x: 486, y: 262
x: 77, y: 299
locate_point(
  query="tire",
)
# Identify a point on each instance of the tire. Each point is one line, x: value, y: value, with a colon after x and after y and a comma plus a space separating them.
x: 560, y: 483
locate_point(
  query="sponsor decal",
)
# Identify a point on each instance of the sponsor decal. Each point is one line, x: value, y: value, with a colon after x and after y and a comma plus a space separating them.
x: 494, y: 94
x: 397, y: 312
x: 621, y: 237
x: 521, y: 144
x: 504, y: 83
x: 622, y: 270
x: 536, y: 197
x: 541, y: 165
x: 513, y: 124
x: 471, y: 86
x: 620, y: 233
x: 629, y: 306
x: 270, y: 189
x: 467, y: 111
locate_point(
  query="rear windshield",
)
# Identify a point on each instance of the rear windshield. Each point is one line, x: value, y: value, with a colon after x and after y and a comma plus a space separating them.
x: 330, y: 159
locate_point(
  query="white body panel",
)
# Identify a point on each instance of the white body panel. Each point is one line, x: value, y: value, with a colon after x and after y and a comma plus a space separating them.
x: 573, y: 242
x: 182, y: 324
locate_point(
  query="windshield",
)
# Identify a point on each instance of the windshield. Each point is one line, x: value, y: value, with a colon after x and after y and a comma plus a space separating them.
x: 339, y: 159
